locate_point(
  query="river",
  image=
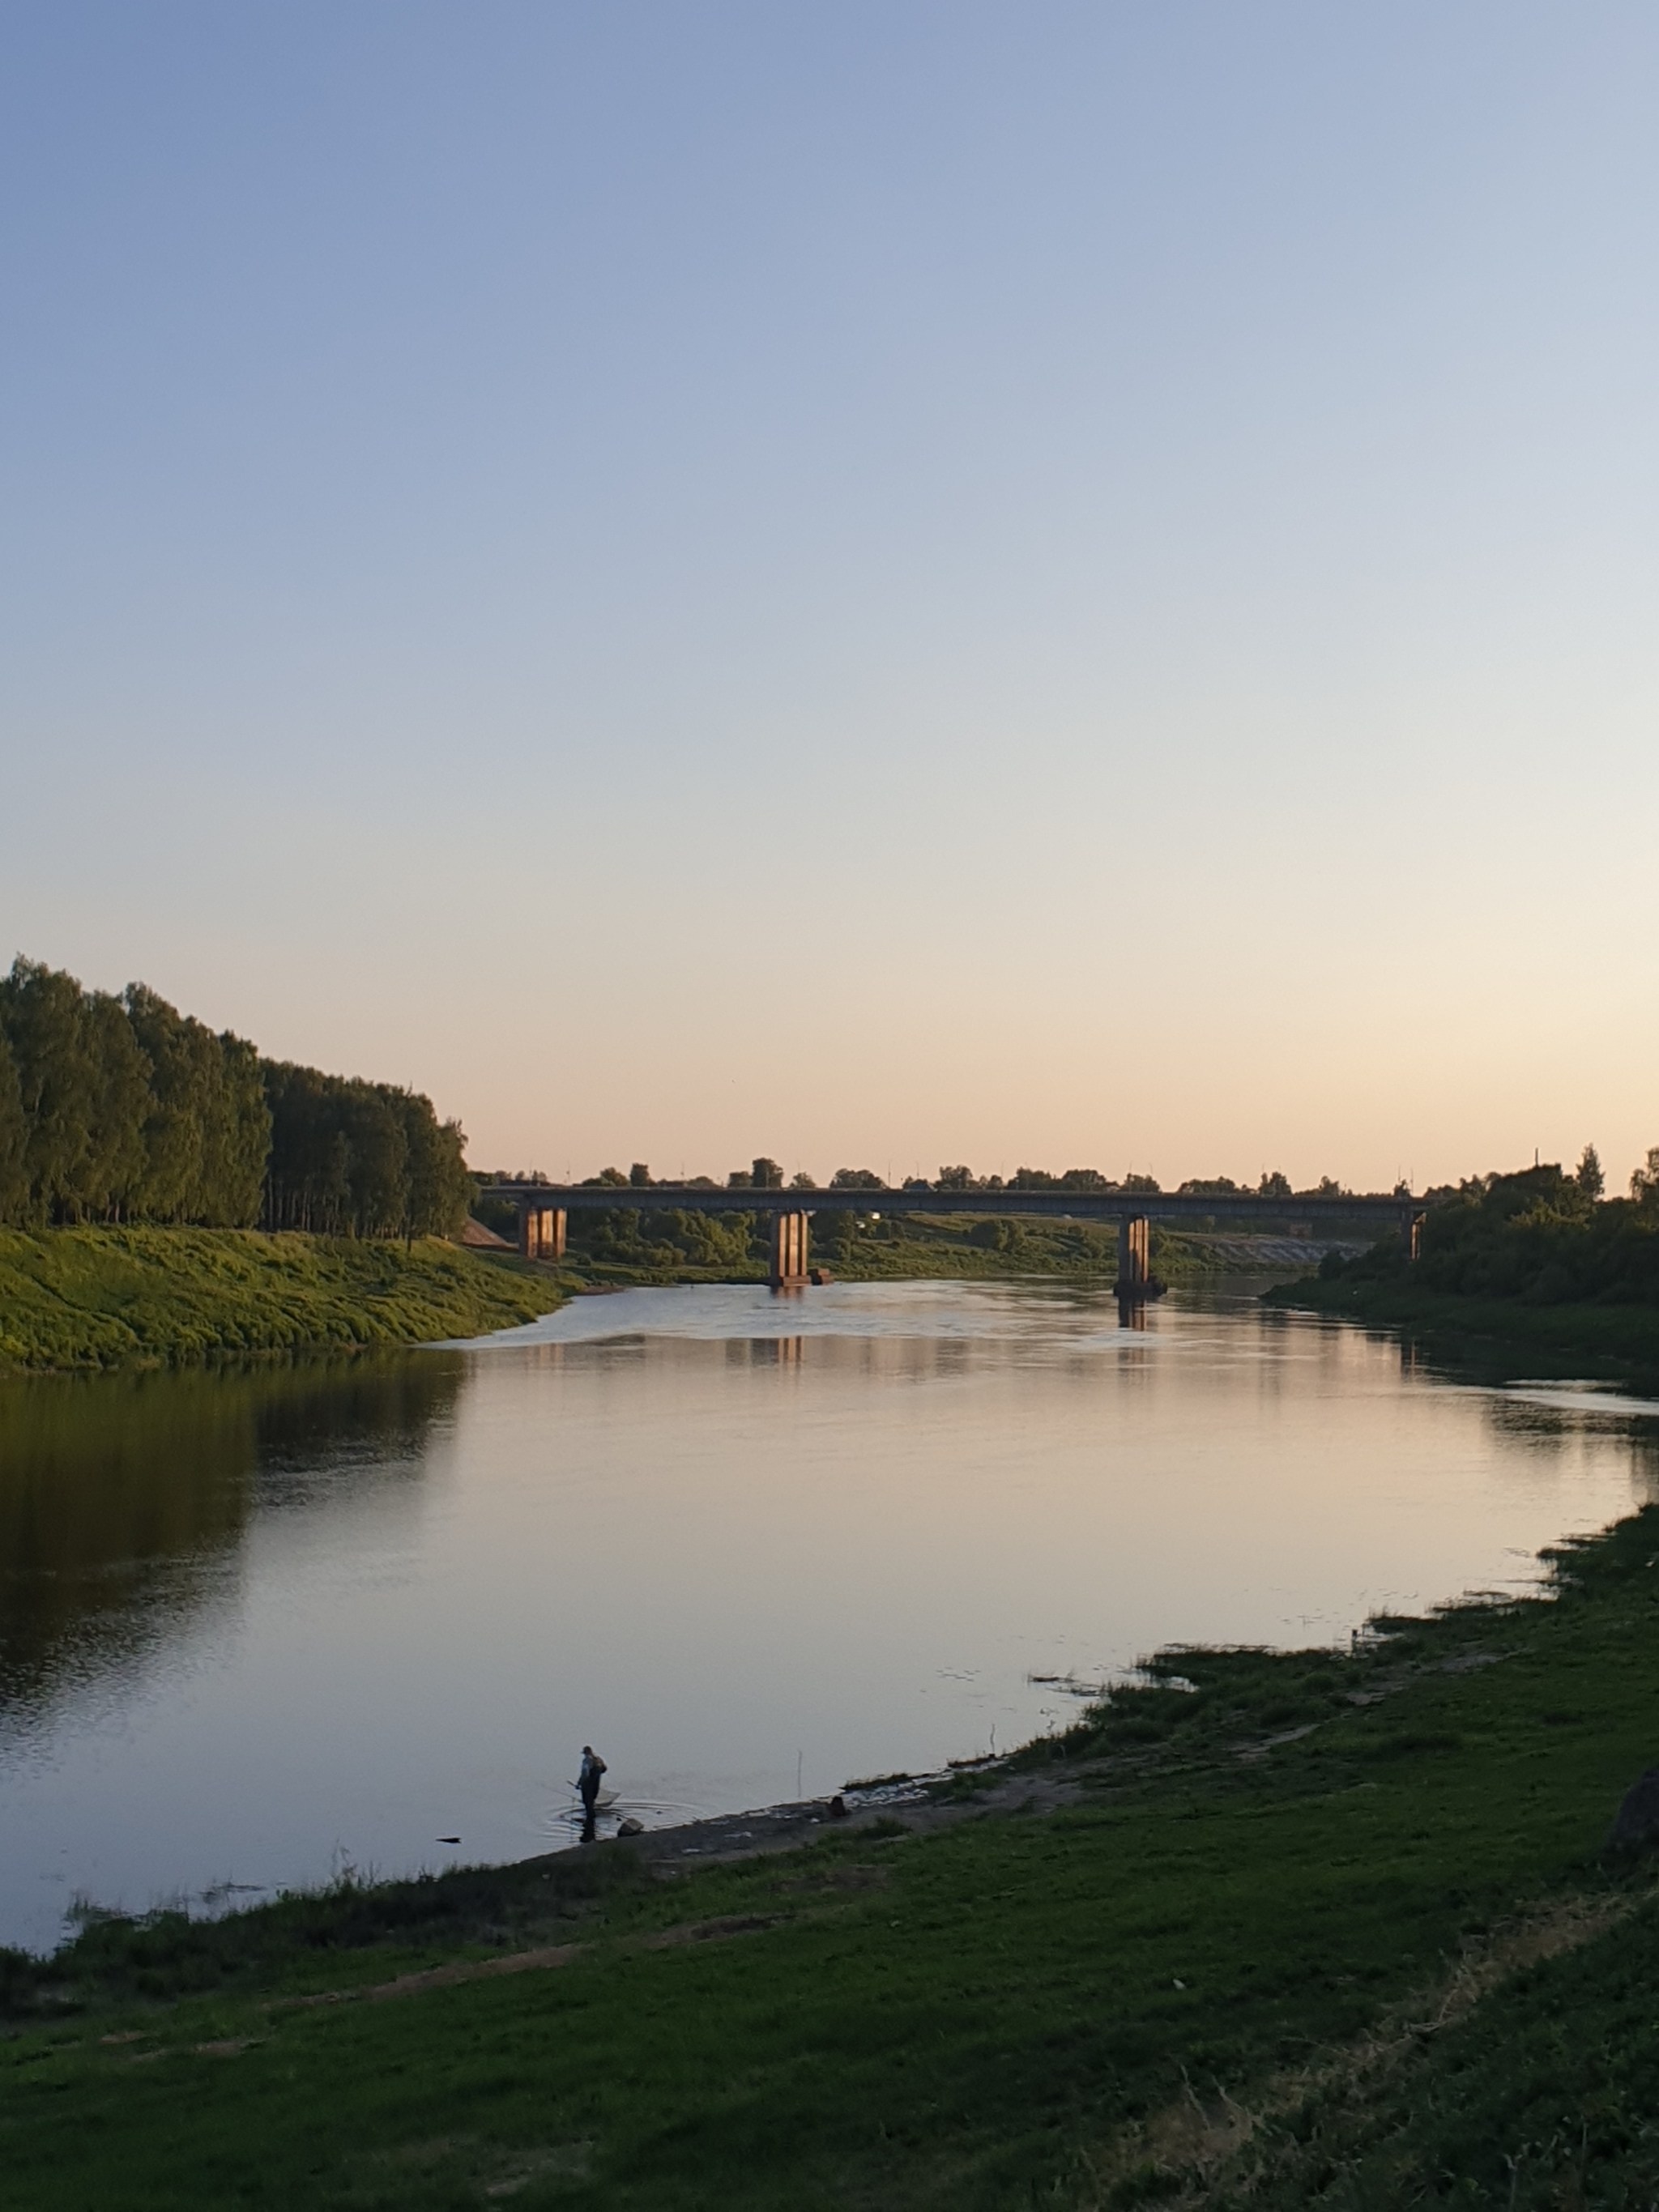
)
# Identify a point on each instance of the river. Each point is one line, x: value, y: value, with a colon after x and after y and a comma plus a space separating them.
x: 259, y: 1627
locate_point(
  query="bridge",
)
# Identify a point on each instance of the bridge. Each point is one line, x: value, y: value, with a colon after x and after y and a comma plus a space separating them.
x: 544, y: 1211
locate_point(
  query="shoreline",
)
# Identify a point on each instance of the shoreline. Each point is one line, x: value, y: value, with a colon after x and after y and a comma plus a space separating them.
x: 1618, y: 1341
x: 81, y: 1301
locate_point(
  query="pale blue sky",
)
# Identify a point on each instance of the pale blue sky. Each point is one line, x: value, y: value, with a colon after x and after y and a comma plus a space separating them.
x: 882, y: 583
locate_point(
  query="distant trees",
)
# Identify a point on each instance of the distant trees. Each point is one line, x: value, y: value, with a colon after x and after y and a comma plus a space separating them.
x: 124, y: 1110
x: 856, y: 1179
x: 1077, y: 1179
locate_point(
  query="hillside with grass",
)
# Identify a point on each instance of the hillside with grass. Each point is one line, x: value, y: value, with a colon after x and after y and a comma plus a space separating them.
x: 80, y: 1298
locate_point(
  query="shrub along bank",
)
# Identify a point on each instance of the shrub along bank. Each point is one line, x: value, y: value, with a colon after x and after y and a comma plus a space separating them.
x: 75, y: 1298
x: 1323, y: 1928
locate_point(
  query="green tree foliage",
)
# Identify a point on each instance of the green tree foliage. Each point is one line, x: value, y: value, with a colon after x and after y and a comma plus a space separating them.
x: 123, y: 1110
x: 349, y: 1158
x: 1537, y: 1236
x: 1590, y: 1177
x: 44, y: 1017
x: 836, y: 1231
x: 206, y: 1131
x: 630, y: 1236
x: 1275, y: 1184
x: 1000, y: 1236
x: 765, y: 1175
x: 856, y: 1179
x: 13, y: 1139
x: 119, y: 1155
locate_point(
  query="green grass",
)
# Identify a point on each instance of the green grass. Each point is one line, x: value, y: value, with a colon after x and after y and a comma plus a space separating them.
x: 1610, y: 1339
x: 1317, y: 1973
x: 78, y: 1298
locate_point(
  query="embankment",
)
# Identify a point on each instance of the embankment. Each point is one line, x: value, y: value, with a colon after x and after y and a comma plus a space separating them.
x: 1324, y: 1928
x: 80, y: 1298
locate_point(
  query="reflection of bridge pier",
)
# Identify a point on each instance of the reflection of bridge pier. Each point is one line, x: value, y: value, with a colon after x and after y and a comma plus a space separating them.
x: 788, y: 1268
x: 541, y: 1231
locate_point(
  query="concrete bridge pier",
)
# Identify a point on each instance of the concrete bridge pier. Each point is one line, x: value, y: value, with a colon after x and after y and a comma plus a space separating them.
x: 541, y: 1231
x: 788, y: 1270
x: 1412, y: 1230
x: 1134, y: 1256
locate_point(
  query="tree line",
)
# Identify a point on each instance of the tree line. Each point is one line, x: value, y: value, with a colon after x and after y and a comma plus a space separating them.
x: 765, y: 1174
x: 120, y: 1109
x: 1544, y: 1235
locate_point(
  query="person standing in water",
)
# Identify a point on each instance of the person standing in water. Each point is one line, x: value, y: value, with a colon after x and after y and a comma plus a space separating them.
x: 588, y: 1782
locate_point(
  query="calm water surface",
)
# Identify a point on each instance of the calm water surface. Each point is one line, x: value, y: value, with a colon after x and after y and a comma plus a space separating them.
x: 254, y: 1626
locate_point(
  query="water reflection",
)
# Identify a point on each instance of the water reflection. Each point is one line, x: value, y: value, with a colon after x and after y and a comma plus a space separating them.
x: 124, y: 1499
x: 249, y: 1620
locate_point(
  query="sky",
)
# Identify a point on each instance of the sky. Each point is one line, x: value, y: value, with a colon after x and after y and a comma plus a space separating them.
x: 885, y: 584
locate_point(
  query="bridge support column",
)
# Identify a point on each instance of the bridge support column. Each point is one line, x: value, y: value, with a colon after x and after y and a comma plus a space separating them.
x: 1412, y: 1231
x: 1134, y: 1256
x: 788, y: 1250
x: 541, y: 1231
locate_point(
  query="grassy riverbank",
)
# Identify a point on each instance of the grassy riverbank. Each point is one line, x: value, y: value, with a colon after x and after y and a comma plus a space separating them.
x: 1595, y: 1338
x: 78, y: 1298
x: 1325, y: 1928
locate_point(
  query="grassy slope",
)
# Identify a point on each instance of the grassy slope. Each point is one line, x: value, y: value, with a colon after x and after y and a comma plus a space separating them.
x: 1618, y: 1337
x: 104, y: 1297
x: 1020, y: 2009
